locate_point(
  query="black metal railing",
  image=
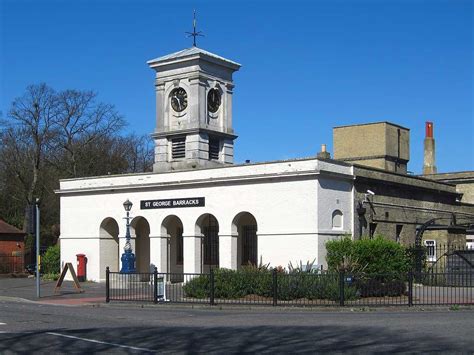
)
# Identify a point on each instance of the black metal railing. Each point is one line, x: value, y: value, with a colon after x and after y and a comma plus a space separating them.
x: 157, y: 287
x: 11, y: 264
x: 274, y: 288
x: 442, y: 257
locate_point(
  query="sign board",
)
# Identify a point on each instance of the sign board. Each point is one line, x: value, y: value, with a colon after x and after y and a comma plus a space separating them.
x: 173, y: 203
x: 161, y: 288
x: 63, y: 275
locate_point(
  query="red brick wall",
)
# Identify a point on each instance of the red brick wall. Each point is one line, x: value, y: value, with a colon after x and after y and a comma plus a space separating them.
x: 9, y: 246
x: 8, y: 262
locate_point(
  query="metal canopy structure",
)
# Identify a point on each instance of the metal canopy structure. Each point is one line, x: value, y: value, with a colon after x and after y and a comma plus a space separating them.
x: 466, y: 227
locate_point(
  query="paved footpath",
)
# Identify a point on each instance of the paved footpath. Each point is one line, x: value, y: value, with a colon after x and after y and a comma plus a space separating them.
x: 25, y: 288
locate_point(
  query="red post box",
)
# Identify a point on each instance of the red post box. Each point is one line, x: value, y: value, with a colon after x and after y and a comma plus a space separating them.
x: 81, y: 267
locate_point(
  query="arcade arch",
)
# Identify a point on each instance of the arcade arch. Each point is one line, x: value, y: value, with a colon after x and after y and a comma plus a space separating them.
x: 244, y: 225
x: 140, y: 229
x: 172, y: 229
x: 108, y: 246
x: 208, y: 228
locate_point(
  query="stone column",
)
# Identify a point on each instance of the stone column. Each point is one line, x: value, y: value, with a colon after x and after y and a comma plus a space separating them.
x: 159, y: 252
x: 161, y: 244
x: 192, y: 262
x: 228, y: 251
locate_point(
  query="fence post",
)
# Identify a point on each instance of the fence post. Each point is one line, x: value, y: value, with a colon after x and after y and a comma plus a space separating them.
x: 341, y: 288
x: 275, y: 287
x: 410, y: 288
x: 211, y: 296
x: 107, y: 285
x: 155, y: 285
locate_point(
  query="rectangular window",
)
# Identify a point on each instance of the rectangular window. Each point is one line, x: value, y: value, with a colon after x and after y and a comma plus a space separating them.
x: 214, y: 149
x: 211, y: 245
x: 398, y: 232
x: 179, y: 246
x: 430, y: 250
x: 372, y: 227
x: 178, y: 148
x: 249, y: 245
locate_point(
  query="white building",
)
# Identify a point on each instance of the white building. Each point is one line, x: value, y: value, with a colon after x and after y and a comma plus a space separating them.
x: 198, y: 210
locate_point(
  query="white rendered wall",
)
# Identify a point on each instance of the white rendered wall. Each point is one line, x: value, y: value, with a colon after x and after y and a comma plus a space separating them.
x: 291, y: 207
x: 333, y: 194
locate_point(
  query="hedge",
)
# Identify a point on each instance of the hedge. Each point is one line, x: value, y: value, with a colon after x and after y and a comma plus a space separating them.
x: 232, y: 284
x: 50, y: 261
x: 371, y: 256
x: 379, y: 265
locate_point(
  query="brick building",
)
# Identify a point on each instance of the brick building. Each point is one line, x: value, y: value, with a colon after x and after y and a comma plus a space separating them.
x: 12, y: 248
x: 391, y: 202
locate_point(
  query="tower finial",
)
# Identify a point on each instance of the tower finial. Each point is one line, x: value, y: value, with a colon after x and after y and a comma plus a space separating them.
x: 194, y: 34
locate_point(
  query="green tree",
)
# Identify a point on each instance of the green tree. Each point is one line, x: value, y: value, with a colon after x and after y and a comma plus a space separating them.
x: 50, y: 262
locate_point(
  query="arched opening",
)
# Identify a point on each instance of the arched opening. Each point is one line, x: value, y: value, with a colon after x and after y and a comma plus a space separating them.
x: 140, y: 229
x: 108, y: 246
x: 208, y: 227
x: 337, y: 219
x: 172, y: 229
x: 245, y: 226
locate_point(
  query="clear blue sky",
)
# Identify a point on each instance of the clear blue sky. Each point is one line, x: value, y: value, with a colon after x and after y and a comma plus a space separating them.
x: 307, y: 66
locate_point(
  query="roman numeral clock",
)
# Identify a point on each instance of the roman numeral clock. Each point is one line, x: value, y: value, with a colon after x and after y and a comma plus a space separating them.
x: 193, y: 110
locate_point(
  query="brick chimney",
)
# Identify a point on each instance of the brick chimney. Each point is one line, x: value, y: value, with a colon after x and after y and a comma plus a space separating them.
x: 324, y: 154
x: 429, y: 162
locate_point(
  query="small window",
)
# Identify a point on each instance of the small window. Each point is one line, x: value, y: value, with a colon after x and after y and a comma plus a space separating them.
x: 214, y: 149
x: 398, y: 232
x: 178, y: 148
x: 372, y: 228
x: 430, y: 250
x: 337, y: 219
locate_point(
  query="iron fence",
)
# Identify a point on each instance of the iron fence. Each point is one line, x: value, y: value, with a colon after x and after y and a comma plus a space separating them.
x: 432, y: 257
x: 273, y: 288
x: 11, y: 264
x: 155, y: 287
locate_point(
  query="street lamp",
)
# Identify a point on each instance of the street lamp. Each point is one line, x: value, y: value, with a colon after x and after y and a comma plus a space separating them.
x: 128, y: 258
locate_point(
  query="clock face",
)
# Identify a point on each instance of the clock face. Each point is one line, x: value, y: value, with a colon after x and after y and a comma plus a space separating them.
x: 213, y: 100
x: 179, y: 99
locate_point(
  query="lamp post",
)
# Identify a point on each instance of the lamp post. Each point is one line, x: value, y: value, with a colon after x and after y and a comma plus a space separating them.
x: 128, y: 258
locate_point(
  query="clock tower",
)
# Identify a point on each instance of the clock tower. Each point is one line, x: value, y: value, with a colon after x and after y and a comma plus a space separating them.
x: 193, y: 110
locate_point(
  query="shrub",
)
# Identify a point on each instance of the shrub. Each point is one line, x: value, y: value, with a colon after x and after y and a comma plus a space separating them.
x: 50, y: 261
x: 380, y: 286
x: 229, y: 284
x: 50, y: 277
x: 371, y: 256
x: 198, y: 287
x: 379, y: 265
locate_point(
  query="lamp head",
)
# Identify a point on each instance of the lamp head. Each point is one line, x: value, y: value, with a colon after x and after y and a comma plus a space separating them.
x: 127, y: 205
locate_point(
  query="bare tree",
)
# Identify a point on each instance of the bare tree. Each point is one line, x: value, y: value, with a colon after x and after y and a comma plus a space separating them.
x: 33, y: 117
x: 49, y: 135
x: 139, y: 153
x: 81, y: 121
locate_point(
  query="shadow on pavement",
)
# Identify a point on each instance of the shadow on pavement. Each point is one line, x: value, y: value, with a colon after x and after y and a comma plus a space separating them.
x: 300, y: 339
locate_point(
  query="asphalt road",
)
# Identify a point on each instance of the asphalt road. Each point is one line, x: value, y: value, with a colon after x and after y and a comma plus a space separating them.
x: 41, y: 329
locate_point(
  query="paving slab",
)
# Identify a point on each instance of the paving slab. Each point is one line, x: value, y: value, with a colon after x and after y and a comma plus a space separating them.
x: 25, y: 288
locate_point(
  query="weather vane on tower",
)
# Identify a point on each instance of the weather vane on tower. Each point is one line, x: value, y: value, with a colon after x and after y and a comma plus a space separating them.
x: 194, y: 34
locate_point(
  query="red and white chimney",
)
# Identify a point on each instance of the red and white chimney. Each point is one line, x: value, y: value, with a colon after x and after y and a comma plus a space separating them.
x: 429, y: 161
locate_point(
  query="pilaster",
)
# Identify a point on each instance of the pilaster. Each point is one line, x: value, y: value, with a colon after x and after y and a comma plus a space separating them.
x: 228, y: 251
x: 192, y: 254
